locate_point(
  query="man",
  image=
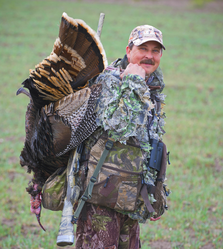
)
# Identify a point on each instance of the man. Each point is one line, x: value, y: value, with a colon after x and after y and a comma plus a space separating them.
x: 144, y: 53
x: 100, y: 227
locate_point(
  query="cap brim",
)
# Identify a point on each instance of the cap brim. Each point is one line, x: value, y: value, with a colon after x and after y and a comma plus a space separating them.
x: 139, y: 42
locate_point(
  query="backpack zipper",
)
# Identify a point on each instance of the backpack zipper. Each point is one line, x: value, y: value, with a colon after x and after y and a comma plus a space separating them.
x: 122, y: 170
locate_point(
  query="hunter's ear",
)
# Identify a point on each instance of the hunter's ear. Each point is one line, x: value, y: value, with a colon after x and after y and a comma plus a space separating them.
x: 128, y: 51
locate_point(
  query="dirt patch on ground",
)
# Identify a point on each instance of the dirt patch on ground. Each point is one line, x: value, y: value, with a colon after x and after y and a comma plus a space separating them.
x: 30, y: 227
x: 8, y: 222
x: 208, y: 246
x: 218, y: 166
x: 160, y: 244
x: 170, y: 245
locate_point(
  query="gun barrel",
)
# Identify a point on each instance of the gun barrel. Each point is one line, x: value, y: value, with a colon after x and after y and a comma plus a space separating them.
x: 100, y: 24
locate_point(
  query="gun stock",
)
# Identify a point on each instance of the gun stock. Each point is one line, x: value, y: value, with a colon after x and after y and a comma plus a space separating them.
x: 66, y: 232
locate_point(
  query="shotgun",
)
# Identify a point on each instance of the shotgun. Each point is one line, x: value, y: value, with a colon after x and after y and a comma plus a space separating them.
x: 66, y: 232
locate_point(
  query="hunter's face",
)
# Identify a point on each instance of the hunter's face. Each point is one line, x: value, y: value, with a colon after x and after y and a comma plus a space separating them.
x: 146, y: 55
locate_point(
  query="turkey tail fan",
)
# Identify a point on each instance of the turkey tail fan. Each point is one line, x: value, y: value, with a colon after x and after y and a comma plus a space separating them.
x: 77, y: 56
x: 76, y: 34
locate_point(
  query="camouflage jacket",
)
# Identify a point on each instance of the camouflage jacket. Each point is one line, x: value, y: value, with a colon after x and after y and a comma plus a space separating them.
x: 127, y: 108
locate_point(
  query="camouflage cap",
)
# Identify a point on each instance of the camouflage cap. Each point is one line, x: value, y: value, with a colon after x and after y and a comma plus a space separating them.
x: 145, y: 33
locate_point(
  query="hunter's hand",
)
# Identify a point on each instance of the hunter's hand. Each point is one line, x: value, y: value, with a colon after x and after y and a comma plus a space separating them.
x: 134, y: 69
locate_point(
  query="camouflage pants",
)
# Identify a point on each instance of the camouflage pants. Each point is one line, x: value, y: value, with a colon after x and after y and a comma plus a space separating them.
x: 106, y: 229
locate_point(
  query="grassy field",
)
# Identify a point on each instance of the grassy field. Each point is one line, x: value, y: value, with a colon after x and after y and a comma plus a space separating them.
x: 192, y: 67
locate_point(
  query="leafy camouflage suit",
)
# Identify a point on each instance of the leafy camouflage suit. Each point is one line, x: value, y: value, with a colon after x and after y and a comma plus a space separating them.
x: 100, y: 227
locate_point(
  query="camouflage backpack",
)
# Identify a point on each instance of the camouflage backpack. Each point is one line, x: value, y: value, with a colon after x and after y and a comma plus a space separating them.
x: 119, y: 185
x: 119, y: 182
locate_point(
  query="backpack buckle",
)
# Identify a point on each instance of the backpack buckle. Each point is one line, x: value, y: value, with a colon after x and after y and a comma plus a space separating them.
x: 109, y: 144
x: 93, y: 179
x: 84, y: 197
x: 74, y: 220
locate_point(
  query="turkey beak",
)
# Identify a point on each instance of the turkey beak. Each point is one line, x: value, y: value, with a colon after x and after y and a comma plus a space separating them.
x: 22, y: 90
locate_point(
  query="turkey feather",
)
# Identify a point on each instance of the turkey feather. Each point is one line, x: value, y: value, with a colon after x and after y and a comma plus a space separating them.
x: 61, y: 113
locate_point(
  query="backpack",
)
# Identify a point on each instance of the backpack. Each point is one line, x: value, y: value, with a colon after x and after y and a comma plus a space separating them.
x: 54, y: 190
x: 114, y: 179
x: 119, y: 181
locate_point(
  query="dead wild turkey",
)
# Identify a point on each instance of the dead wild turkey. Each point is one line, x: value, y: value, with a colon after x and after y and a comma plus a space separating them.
x: 60, y: 114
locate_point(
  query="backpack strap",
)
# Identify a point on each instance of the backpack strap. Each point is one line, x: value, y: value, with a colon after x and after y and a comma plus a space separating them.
x: 88, y: 190
x: 144, y: 194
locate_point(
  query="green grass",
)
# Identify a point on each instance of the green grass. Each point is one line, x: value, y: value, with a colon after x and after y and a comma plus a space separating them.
x: 192, y: 67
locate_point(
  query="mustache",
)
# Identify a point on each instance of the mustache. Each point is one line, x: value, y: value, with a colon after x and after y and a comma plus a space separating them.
x: 147, y: 61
